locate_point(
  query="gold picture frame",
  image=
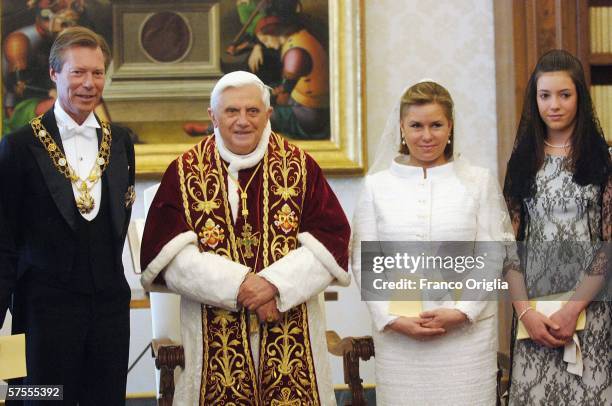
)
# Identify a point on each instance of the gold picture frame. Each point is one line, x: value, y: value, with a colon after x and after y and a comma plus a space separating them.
x: 342, y: 154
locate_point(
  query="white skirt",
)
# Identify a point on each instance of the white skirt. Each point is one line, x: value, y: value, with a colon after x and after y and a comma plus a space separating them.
x: 459, y: 368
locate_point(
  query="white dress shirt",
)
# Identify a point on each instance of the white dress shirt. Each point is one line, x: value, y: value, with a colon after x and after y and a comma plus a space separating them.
x: 80, y: 144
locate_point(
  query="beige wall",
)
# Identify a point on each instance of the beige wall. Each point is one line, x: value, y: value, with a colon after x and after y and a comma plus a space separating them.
x: 450, y: 41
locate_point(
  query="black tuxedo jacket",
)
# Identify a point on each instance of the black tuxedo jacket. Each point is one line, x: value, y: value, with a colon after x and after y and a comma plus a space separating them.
x: 37, y: 208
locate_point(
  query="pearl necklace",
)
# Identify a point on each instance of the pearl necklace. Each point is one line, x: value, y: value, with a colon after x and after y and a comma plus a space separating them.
x: 567, y: 144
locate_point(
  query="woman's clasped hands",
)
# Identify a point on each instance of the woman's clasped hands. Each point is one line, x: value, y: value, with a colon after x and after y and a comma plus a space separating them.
x: 554, y: 331
x: 429, y: 324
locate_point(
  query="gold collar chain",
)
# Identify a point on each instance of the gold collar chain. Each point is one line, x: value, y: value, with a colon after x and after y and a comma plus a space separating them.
x: 85, y: 202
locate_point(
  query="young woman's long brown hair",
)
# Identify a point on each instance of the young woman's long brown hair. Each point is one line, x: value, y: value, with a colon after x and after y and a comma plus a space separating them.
x: 589, y: 156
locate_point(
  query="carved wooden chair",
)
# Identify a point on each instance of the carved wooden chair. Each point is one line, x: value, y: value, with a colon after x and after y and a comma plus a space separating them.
x: 352, y: 349
x: 167, y: 356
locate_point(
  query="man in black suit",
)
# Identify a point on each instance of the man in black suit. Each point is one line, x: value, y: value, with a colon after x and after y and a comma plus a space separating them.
x: 66, y: 192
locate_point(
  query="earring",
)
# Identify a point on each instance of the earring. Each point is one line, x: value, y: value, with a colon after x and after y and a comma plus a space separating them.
x: 403, y: 141
x: 448, y: 142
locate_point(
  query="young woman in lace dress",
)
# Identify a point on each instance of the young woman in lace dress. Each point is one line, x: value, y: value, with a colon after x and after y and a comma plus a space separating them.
x: 559, y: 191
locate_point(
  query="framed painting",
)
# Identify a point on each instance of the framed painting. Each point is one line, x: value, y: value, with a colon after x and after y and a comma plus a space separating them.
x: 167, y: 56
x: 28, y: 28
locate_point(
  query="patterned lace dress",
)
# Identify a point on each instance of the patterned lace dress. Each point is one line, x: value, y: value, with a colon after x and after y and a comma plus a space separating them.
x: 560, y: 214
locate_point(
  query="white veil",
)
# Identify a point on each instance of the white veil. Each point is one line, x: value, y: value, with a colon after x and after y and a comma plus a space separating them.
x: 387, y: 149
x: 479, y: 182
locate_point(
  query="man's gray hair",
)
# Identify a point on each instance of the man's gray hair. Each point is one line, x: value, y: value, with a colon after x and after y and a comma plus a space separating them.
x: 238, y: 79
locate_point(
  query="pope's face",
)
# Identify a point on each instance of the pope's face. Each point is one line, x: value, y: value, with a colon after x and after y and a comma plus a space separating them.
x: 80, y: 82
x: 241, y: 118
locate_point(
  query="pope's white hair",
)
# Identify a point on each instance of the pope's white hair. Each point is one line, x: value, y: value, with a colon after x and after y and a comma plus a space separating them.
x: 238, y: 79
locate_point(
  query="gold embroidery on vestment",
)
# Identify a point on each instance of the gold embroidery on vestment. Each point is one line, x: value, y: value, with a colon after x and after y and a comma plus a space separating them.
x: 287, y: 399
x: 212, y: 234
x: 285, y: 172
x: 286, y: 369
x: 286, y: 357
x: 228, y: 374
x: 285, y: 219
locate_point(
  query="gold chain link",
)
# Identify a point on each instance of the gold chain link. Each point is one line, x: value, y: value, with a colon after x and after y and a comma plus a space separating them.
x: 85, y: 201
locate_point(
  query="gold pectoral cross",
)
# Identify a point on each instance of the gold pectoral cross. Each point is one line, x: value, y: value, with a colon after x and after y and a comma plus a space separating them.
x: 247, y: 240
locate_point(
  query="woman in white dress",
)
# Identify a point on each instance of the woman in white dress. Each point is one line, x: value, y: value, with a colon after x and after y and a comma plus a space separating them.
x: 447, y: 354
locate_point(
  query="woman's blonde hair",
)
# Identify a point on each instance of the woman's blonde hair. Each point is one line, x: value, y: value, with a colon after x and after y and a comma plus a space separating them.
x: 426, y: 93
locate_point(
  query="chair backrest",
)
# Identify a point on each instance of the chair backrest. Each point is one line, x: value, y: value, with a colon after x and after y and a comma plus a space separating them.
x: 165, y: 316
x: 165, y: 307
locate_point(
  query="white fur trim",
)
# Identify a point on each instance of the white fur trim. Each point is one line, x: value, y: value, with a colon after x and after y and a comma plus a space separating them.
x: 205, y: 277
x: 298, y: 276
x: 342, y: 277
x: 163, y: 258
x: 188, y: 382
x: 317, y: 325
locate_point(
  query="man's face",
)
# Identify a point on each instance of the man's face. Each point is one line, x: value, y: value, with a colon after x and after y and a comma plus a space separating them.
x: 80, y: 82
x: 241, y: 117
